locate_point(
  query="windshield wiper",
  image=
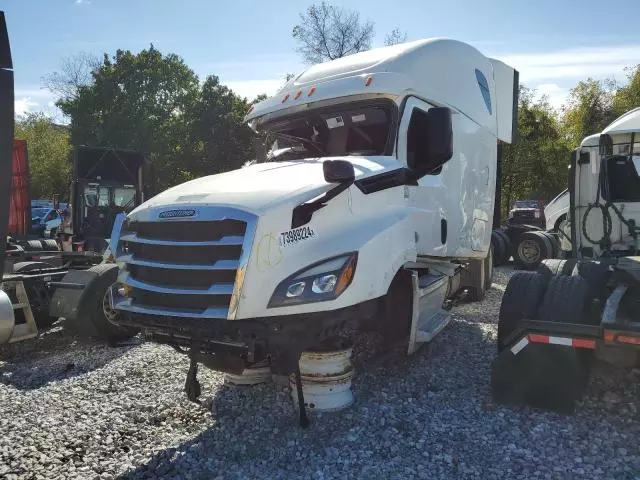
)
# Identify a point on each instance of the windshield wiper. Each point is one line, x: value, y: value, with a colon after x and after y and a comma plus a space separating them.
x: 304, y: 141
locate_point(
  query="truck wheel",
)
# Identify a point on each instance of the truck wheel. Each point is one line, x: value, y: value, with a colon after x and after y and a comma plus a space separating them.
x: 50, y: 245
x: 554, y: 266
x: 508, y: 246
x: 565, y: 300
x: 33, y: 246
x: 488, y: 269
x: 595, y: 273
x: 532, y: 248
x: 38, y: 294
x: 395, y: 321
x: 555, y: 244
x: 499, y: 248
x: 520, y: 301
x: 94, y: 312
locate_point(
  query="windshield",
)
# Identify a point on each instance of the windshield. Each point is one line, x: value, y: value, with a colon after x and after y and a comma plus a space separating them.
x: 526, y: 204
x: 39, y: 212
x: 348, y: 129
x: 124, y: 197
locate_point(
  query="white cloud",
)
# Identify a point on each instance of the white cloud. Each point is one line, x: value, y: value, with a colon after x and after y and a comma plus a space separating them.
x: 24, y: 105
x: 556, y: 94
x: 82, y: 2
x: 597, y: 62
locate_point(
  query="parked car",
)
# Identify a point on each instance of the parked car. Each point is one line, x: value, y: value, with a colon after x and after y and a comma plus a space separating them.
x: 556, y: 211
x: 527, y: 212
x: 45, y: 221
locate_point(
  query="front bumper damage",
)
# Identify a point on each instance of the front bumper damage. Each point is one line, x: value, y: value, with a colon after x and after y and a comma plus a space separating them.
x: 231, y: 346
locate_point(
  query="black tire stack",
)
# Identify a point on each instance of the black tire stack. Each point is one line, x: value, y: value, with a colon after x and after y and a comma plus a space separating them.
x: 502, y: 247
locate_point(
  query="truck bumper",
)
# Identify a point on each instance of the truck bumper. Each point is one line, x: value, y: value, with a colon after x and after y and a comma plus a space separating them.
x: 276, y: 338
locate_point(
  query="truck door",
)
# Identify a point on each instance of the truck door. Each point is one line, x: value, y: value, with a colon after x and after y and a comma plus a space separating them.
x: 427, y: 196
x: 453, y: 204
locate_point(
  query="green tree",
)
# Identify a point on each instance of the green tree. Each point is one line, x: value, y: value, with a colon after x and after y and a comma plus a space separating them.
x: 224, y: 142
x: 589, y: 109
x: 140, y: 102
x: 628, y: 97
x: 535, y: 166
x: 48, y: 149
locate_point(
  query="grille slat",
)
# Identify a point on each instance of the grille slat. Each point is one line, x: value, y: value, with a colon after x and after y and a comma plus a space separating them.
x: 189, y: 231
x: 183, y: 266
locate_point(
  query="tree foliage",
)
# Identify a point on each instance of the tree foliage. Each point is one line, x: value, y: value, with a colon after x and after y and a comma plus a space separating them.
x: 628, y: 97
x: 48, y: 149
x: 327, y: 32
x: 589, y: 109
x: 535, y: 165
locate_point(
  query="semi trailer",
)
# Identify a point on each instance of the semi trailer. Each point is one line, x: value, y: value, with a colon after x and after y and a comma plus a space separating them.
x: 553, y: 322
x: 374, y: 208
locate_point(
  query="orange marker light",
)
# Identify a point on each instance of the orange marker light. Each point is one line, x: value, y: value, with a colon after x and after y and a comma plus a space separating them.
x: 368, y: 81
x: 298, y: 95
x: 311, y: 91
x: 286, y: 97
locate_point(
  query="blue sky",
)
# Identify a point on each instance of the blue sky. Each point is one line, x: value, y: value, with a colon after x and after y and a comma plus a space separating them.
x: 248, y: 44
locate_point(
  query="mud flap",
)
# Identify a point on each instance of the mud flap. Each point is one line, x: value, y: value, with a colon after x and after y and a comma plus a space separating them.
x: 551, y: 377
x: 66, y: 301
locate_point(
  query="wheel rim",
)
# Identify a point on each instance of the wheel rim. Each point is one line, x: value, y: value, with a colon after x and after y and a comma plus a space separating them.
x: 529, y: 251
x: 109, y: 313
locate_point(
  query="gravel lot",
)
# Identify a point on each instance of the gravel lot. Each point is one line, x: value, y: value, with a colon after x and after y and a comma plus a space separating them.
x: 71, y: 409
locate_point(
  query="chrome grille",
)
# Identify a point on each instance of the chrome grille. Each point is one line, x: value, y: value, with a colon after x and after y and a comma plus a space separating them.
x: 184, y: 267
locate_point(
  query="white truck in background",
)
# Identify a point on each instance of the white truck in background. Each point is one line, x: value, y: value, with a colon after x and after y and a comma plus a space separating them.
x: 554, y: 321
x: 374, y: 207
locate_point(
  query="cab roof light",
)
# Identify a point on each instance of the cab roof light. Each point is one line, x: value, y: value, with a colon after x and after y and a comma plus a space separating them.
x: 285, y: 98
x: 368, y: 81
x: 312, y: 90
x: 298, y: 95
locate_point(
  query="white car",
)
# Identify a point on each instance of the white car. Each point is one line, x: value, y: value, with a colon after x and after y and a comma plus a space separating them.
x: 45, y: 221
x: 556, y: 211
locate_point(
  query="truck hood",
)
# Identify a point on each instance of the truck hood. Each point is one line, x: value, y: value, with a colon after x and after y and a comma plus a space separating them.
x: 259, y: 186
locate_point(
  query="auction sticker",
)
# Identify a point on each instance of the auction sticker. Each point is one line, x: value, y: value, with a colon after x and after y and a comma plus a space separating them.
x: 296, y: 235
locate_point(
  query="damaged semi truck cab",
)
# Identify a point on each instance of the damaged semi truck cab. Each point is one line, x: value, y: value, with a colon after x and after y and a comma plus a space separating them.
x: 378, y: 189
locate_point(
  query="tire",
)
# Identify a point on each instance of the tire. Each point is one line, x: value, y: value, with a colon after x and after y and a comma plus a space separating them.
x: 596, y: 274
x: 532, y: 248
x: 395, y: 323
x: 565, y: 300
x: 508, y: 246
x: 91, y: 319
x: 50, y: 245
x: 556, y: 266
x: 555, y: 244
x: 33, y: 246
x: 488, y: 269
x: 499, y: 248
x: 521, y: 300
x: 37, y: 293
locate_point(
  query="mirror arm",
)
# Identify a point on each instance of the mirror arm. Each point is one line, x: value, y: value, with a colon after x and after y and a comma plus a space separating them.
x: 302, y: 213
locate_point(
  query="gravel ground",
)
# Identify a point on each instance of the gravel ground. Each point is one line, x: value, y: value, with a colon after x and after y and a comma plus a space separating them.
x: 71, y: 409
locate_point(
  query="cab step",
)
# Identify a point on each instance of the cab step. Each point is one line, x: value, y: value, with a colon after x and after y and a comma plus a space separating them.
x: 429, y: 318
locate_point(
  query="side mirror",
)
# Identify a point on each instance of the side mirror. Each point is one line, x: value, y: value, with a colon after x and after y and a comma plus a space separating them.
x: 338, y: 171
x: 439, y: 136
x: 606, y: 144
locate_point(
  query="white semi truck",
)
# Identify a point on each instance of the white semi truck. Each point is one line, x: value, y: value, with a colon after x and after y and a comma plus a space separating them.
x: 375, y: 205
x: 553, y: 321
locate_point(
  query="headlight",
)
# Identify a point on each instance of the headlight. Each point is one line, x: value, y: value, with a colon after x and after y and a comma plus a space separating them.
x: 319, y: 282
